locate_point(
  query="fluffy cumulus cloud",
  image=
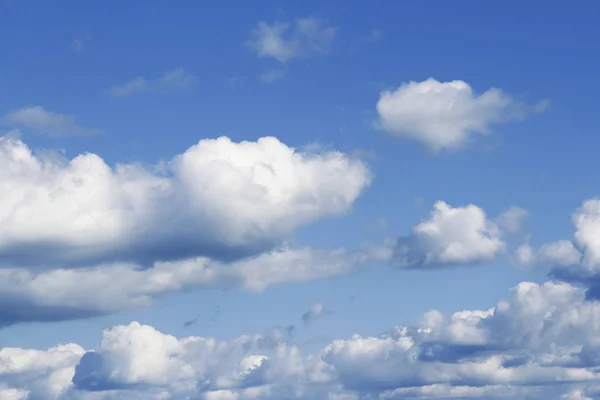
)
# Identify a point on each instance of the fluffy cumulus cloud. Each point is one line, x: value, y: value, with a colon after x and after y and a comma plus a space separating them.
x: 445, y: 115
x: 451, y: 236
x: 576, y: 260
x: 35, y: 374
x: 38, y: 119
x: 285, y: 41
x: 172, y: 81
x: 520, y: 348
x: 218, y: 198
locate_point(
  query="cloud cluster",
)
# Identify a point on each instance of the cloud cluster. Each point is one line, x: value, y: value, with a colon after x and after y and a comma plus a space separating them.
x: 451, y: 237
x: 520, y: 348
x: 576, y: 260
x: 285, y: 41
x: 216, y: 215
x: 446, y: 115
x: 172, y: 81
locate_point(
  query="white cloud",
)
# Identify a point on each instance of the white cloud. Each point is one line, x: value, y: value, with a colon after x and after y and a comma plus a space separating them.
x: 511, y: 220
x: 37, y: 374
x: 576, y: 260
x: 285, y: 41
x: 535, y: 338
x: 54, y: 124
x: 444, y: 115
x: 587, y: 232
x: 172, y: 81
x: 219, y: 198
x: 561, y: 253
x: 216, y: 216
x: 461, y: 235
x: 542, y: 334
x: 64, y: 294
x: 139, y: 356
x: 576, y: 394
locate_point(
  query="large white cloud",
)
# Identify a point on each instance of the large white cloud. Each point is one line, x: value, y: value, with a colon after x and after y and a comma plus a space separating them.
x: 542, y: 334
x: 444, y: 115
x: 451, y: 236
x: 218, y: 198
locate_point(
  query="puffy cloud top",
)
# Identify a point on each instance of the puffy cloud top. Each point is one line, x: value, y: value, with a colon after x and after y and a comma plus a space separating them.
x: 217, y: 198
x: 444, y: 115
x: 451, y: 236
x: 541, y: 334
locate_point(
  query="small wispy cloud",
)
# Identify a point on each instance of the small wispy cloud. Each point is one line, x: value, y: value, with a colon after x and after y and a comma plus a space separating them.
x: 285, y: 41
x: 135, y: 85
x: 375, y: 36
x: 78, y: 45
x: 172, y: 81
x: 272, y: 75
x: 50, y: 123
x: 541, y: 106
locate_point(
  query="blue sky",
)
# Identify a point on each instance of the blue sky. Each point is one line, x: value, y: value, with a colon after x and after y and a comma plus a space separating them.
x: 442, y: 154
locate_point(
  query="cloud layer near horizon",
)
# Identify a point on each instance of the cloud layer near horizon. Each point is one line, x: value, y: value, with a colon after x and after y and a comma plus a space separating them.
x: 517, y: 349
